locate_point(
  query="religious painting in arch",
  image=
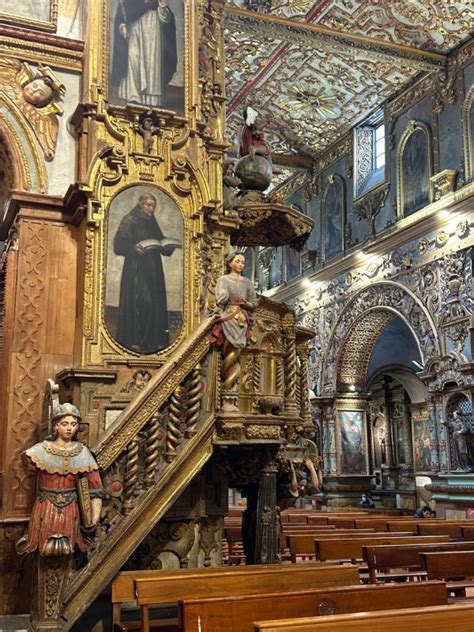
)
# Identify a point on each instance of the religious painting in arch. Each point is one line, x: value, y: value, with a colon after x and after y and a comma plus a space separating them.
x: 468, y: 134
x: 144, y: 270
x: 416, y: 170
x: 352, y: 442
x: 147, y: 53
x: 333, y: 217
x: 421, y: 443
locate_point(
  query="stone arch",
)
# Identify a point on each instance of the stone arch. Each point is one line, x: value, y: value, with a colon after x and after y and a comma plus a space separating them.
x: 359, y: 325
x: 468, y: 131
x: 28, y: 168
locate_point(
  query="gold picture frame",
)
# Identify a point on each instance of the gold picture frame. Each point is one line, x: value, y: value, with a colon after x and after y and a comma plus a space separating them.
x: 17, y: 19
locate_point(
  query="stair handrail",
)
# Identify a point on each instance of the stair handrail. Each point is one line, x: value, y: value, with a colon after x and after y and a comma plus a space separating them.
x: 153, y: 396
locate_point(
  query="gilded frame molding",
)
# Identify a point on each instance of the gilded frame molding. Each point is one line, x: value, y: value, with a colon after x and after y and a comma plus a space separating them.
x: 351, y: 406
x: 189, y: 31
x: 412, y: 127
x: 467, y: 133
x: 30, y: 23
x: 98, y: 346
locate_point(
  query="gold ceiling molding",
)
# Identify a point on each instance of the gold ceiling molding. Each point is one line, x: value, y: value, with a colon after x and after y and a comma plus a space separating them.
x: 329, y: 39
x: 358, y: 346
x: 60, y: 52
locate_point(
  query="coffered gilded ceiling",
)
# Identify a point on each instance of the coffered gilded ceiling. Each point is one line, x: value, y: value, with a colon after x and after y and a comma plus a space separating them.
x: 318, y: 68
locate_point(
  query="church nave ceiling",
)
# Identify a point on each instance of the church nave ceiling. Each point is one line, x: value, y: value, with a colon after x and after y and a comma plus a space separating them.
x: 316, y: 83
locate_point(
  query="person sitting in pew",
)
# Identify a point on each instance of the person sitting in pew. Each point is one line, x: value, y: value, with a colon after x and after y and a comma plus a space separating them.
x: 424, y: 512
x: 366, y: 502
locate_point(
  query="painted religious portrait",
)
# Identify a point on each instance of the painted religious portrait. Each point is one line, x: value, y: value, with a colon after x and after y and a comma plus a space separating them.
x: 144, y: 271
x: 352, y: 442
x: 30, y: 10
x: 293, y: 263
x: 333, y: 213
x: 147, y: 53
x: 416, y: 172
x: 421, y: 444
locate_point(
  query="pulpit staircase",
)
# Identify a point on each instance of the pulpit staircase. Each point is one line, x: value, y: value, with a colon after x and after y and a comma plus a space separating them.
x: 152, y: 473
x: 162, y: 440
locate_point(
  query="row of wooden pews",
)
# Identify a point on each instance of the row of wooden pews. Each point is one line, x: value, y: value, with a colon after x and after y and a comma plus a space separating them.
x: 405, y: 572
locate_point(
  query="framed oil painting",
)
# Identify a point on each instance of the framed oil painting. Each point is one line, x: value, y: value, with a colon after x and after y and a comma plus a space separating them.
x: 333, y: 217
x: 352, y: 442
x: 147, y: 53
x: 40, y: 14
x: 144, y: 271
x: 414, y: 168
x: 421, y: 445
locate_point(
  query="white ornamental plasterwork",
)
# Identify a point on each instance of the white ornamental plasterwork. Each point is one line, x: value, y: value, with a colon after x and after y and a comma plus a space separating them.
x: 292, y: 9
x: 447, y: 371
x: 345, y: 78
x: 246, y: 54
x: 391, y: 296
x: 437, y: 25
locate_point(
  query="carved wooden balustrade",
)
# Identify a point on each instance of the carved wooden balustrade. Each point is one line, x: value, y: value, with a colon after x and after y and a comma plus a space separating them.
x: 160, y: 442
x: 148, y: 457
x: 273, y: 397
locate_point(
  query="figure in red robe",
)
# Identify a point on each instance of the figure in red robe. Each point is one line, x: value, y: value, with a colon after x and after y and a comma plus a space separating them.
x: 59, y: 461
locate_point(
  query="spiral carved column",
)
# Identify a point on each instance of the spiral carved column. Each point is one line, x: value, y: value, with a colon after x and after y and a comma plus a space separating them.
x: 173, y: 435
x: 194, y: 402
x: 291, y: 372
x: 131, y: 476
x: 280, y: 377
x: 305, y: 411
x: 152, y: 451
x: 230, y: 376
x: 256, y: 381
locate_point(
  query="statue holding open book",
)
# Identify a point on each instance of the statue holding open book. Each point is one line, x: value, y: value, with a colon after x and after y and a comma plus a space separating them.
x: 69, y: 500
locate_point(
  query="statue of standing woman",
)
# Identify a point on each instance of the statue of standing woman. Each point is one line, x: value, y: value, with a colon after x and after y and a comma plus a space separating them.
x: 236, y: 298
x: 69, y: 500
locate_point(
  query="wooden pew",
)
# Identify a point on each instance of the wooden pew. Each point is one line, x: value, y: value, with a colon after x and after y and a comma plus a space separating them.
x: 171, y: 586
x: 467, y: 532
x: 382, y: 557
x: 455, y: 618
x: 236, y: 614
x: 351, y: 549
x: 302, y: 544
x: 453, y: 529
x: 429, y: 523
x: 457, y: 568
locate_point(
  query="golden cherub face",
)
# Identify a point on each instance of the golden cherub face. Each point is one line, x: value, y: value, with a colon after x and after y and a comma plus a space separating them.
x: 37, y: 92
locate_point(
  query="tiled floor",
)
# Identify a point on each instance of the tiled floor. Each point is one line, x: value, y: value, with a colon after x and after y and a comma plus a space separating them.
x: 14, y: 624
